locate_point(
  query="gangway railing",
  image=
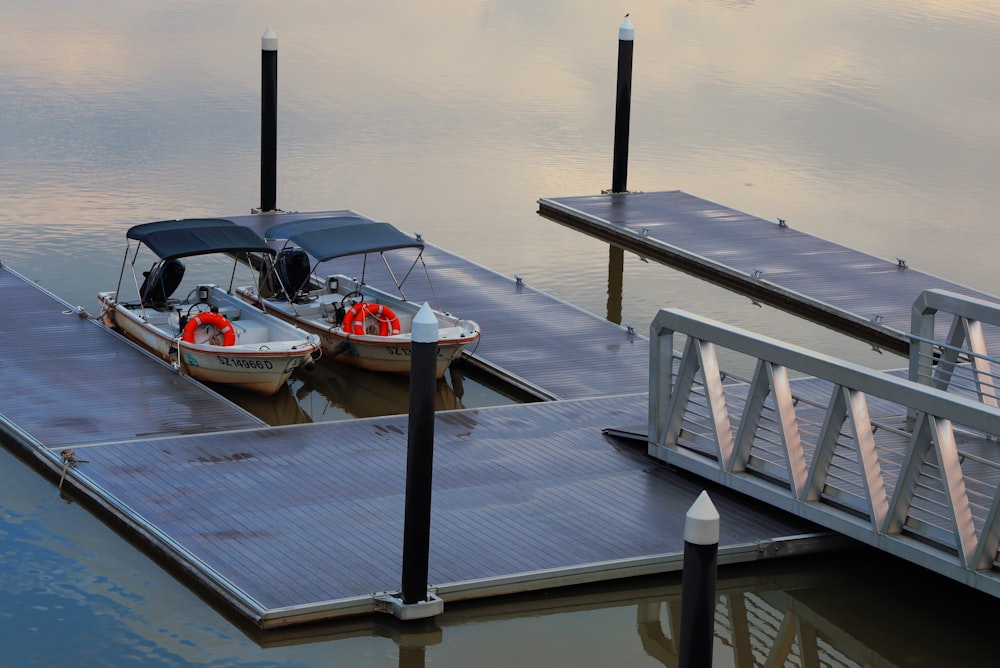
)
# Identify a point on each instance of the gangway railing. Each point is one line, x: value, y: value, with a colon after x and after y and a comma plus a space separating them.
x: 902, y: 466
x: 960, y: 362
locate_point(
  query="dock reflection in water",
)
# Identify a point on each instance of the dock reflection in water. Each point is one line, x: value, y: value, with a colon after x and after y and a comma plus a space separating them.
x: 766, y: 614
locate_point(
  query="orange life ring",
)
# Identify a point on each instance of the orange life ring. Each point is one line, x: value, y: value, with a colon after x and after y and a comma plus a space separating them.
x: 354, y: 320
x: 217, y: 320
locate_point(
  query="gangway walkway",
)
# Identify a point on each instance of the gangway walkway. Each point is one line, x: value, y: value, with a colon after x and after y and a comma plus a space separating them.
x: 912, y: 468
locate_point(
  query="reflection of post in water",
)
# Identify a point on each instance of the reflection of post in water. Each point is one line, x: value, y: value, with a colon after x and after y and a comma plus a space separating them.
x: 413, y: 641
x: 755, y: 624
x: 411, y: 657
x: 616, y: 271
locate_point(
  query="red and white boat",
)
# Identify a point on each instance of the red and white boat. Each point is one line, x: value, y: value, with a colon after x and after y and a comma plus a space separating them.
x: 210, y: 335
x: 357, y: 323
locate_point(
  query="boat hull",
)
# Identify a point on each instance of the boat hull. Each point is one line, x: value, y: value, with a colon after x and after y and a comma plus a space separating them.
x: 262, y: 367
x: 379, y: 354
x: 385, y: 354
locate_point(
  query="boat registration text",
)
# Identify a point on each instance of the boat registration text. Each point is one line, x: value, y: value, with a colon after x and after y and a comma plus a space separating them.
x: 244, y: 363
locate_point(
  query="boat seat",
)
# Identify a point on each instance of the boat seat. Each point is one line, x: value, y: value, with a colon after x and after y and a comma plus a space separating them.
x: 250, y: 332
x: 231, y: 312
x: 310, y: 309
x: 157, y: 317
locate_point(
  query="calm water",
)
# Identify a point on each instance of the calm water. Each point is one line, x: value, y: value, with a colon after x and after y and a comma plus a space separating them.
x: 869, y: 123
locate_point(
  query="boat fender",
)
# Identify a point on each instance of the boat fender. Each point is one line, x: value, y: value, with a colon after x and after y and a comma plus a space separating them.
x: 217, y: 320
x: 354, y: 320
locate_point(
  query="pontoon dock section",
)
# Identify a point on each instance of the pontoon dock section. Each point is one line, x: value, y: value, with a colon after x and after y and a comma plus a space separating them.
x: 865, y: 296
x: 284, y: 525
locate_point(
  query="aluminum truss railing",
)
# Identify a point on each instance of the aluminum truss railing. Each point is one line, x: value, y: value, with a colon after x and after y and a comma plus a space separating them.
x: 960, y: 362
x: 907, y: 468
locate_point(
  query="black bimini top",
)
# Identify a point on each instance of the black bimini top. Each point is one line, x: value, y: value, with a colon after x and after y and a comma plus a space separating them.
x: 171, y: 239
x: 327, y: 238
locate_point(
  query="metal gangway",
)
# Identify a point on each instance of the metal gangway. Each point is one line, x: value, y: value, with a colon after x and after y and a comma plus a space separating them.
x: 906, y: 462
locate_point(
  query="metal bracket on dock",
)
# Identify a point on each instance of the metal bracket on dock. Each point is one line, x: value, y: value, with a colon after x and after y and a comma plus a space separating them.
x: 393, y: 605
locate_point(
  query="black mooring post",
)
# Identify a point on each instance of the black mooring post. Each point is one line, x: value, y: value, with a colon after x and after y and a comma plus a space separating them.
x: 623, y: 106
x: 419, y: 457
x: 268, y: 120
x: 701, y: 549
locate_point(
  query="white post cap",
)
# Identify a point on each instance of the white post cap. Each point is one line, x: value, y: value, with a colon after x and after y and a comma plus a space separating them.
x: 701, y: 524
x: 269, y: 41
x: 626, y: 33
x: 425, y: 325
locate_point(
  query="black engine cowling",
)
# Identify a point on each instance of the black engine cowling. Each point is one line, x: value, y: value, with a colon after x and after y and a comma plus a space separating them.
x: 160, y: 282
x: 293, y: 267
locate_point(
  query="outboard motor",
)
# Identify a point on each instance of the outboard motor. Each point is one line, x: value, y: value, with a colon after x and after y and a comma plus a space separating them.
x: 160, y: 282
x: 293, y: 267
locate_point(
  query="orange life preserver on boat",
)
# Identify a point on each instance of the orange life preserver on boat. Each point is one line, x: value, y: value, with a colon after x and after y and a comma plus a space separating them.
x: 354, y: 320
x: 217, y: 320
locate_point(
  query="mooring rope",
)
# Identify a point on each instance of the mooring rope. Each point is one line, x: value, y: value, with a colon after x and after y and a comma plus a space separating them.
x: 69, y: 459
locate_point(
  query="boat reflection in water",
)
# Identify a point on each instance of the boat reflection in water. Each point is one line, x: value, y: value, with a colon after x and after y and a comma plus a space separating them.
x: 338, y: 391
x: 332, y: 392
x: 280, y: 408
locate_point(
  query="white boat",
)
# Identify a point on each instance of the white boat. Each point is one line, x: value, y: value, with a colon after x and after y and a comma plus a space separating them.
x: 210, y: 335
x: 357, y: 323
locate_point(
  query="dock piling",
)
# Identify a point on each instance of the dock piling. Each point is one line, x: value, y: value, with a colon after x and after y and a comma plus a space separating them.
x: 701, y: 548
x: 419, y: 458
x: 623, y: 106
x: 268, y: 120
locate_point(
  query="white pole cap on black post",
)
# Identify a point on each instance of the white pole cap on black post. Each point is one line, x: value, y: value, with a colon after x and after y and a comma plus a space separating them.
x: 701, y: 549
x: 415, y: 600
x: 623, y: 106
x: 268, y: 121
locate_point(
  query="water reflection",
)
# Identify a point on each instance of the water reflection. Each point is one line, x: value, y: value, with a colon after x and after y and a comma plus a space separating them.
x: 802, y: 614
x: 331, y: 387
x: 329, y: 392
x: 616, y: 274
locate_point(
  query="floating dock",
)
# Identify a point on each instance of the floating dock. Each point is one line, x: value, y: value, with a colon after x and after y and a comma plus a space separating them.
x: 859, y: 294
x: 904, y: 462
x: 296, y: 524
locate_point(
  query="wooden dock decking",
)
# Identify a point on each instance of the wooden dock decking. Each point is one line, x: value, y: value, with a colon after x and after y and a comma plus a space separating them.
x: 859, y: 294
x: 300, y: 523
